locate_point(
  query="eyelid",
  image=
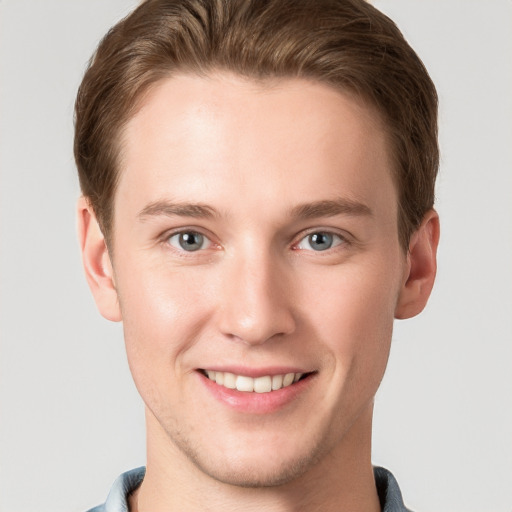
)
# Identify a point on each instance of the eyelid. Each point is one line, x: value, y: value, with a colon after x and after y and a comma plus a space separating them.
x: 344, y: 238
x: 164, y: 238
x: 204, y: 244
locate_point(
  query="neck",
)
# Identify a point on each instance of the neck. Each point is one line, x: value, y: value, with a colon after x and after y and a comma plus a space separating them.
x: 340, y: 480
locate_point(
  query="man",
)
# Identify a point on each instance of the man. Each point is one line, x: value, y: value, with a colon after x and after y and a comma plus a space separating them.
x: 258, y: 182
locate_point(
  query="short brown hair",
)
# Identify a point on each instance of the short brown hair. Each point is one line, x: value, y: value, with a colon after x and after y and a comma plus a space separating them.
x: 347, y: 44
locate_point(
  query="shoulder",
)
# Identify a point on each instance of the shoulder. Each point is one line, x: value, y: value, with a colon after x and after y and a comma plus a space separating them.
x: 124, y: 485
x: 389, y: 492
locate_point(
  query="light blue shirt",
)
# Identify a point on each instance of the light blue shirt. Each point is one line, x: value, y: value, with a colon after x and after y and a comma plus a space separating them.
x: 117, y: 500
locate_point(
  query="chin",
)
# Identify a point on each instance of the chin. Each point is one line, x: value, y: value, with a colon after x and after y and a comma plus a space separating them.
x: 266, y: 467
x: 251, y: 475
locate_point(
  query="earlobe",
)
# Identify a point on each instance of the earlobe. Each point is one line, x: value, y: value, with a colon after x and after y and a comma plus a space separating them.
x: 421, y: 268
x: 96, y: 262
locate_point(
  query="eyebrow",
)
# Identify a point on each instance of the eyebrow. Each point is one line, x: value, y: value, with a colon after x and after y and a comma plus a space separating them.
x: 331, y: 208
x: 324, y: 208
x: 170, y: 209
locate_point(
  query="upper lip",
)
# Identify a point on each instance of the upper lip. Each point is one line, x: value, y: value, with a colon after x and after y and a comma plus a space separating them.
x: 256, y: 372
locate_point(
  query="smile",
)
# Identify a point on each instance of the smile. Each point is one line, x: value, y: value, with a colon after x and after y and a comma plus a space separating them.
x: 264, y: 384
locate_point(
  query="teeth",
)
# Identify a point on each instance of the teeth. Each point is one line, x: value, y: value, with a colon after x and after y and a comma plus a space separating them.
x: 244, y: 384
x: 263, y: 384
x: 229, y: 380
x: 248, y: 384
x: 288, y: 379
x: 277, y: 382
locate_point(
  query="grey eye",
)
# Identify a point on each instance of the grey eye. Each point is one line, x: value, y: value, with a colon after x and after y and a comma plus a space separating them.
x: 189, y: 241
x: 320, y: 241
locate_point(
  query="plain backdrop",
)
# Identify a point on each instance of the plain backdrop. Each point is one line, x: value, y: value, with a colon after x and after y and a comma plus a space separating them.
x: 70, y: 418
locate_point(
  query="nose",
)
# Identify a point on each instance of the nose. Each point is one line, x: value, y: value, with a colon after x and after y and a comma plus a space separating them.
x: 256, y: 302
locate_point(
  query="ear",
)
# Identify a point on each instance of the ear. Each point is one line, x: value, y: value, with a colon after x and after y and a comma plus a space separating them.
x: 96, y: 260
x: 420, y: 269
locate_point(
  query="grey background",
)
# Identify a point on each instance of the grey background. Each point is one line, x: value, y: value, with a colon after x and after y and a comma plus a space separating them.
x: 70, y: 418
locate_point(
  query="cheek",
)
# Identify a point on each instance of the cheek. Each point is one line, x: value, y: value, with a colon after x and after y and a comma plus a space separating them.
x: 355, y: 299
x: 356, y: 310
x: 161, y: 319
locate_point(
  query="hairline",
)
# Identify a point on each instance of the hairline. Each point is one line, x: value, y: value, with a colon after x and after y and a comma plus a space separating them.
x: 264, y: 81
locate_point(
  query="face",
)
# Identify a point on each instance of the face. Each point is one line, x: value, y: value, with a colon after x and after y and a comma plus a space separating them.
x: 258, y: 270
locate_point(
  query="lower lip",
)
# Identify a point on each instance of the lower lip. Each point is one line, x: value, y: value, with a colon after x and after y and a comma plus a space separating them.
x: 256, y: 403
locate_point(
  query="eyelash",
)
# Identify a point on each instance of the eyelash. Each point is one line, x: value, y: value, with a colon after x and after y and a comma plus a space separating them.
x: 338, y: 240
x: 166, y: 239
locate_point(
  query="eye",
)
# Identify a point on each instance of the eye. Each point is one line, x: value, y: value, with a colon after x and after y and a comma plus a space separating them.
x: 189, y: 241
x: 320, y: 241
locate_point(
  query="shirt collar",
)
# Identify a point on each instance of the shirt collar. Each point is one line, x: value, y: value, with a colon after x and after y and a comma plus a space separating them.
x: 117, y: 501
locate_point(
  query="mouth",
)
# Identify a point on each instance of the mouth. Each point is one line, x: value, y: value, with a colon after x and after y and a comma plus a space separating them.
x: 246, y: 384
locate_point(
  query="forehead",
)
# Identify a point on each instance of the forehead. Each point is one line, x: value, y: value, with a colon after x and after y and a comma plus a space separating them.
x: 285, y: 140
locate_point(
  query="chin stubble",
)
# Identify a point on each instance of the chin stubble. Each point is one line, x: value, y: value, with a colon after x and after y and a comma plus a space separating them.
x: 247, y: 477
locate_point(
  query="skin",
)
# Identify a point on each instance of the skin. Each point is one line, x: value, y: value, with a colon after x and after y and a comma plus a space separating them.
x: 257, y: 294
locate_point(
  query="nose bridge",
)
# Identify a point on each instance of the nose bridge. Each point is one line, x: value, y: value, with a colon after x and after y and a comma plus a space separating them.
x: 256, y: 304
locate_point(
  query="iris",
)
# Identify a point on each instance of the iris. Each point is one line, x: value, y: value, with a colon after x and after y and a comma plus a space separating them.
x: 320, y: 241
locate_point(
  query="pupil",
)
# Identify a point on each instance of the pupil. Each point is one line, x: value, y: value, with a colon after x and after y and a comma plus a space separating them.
x: 320, y: 241
x: 191, y: 241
